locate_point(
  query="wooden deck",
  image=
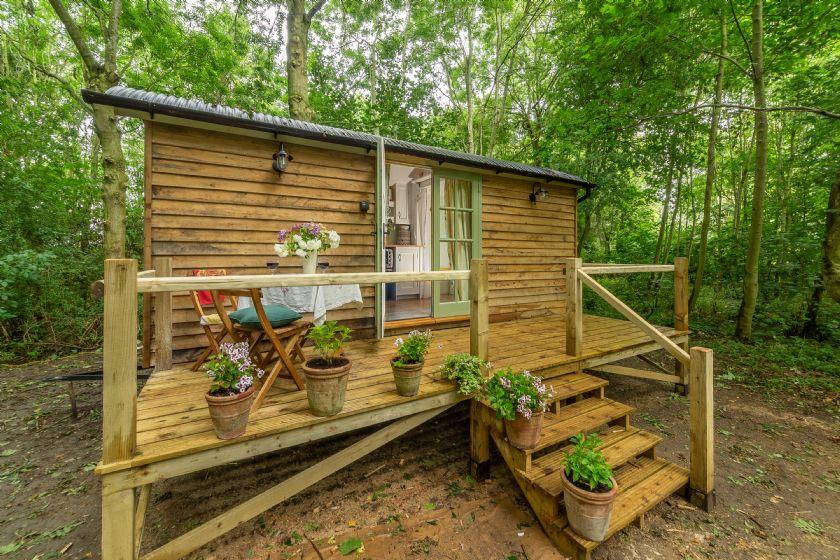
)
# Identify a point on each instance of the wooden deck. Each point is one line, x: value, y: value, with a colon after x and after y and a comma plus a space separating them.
x: 172, y: 418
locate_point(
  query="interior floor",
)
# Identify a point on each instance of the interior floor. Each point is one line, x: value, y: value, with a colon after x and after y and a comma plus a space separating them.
x: 407, y: 308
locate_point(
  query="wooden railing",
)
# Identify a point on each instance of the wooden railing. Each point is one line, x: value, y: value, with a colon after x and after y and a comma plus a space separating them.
x: 122, y: 283
x: 693, y: 368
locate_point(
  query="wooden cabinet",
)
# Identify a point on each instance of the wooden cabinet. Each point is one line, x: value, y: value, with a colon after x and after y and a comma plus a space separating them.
x: 401, y: 204
x: 407, y: 259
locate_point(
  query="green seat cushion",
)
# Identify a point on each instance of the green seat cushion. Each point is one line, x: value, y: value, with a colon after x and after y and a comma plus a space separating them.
x: 278, y: 316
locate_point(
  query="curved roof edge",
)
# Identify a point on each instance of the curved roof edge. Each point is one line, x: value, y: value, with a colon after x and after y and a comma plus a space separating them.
x: 161, y: 104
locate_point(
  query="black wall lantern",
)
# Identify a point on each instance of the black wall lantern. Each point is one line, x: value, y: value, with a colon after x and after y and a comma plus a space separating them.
x: 537, y: 192
x: 281, y: 159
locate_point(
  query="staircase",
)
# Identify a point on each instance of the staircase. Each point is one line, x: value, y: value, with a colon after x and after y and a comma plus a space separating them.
x: 580, y: 406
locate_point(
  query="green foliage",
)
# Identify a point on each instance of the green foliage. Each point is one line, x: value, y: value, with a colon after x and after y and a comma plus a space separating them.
x: 586, y: 464
x: 350, y: 545
x: 412, y: 349
x: 231, y: 370
x: 510, y: 392
x: 466, y: 370
x: 329, y: 339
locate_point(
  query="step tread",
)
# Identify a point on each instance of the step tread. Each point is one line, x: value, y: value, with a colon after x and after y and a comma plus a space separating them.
x: 619, y: 446
x: 642, y: 484
x: 583, y: 416
x: 574, y: 384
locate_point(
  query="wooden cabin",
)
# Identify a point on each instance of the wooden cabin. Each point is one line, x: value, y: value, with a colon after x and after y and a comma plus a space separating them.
x: 480, y: 249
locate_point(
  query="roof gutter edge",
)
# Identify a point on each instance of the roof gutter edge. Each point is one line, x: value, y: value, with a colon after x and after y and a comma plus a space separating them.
x: 103, y: 98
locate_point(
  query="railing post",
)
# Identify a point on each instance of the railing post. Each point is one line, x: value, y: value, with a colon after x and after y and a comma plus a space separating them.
x: 574, y: 308
x: 479, y: 346
x: 119, y: 403
x: 163, y: 318
x: 681, y: 315
x: 701, y: 482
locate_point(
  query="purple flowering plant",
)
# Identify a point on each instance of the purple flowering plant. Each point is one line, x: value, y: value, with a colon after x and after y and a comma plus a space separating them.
x: 305, y: 238
x: 509, y: 392
x: 412, y: 349
x: 232, y: 370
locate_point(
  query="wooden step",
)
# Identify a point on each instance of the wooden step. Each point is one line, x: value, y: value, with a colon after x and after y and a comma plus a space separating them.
x: 642, y: 484
x: 584, y: 416
x: 576, y: 384
x: 619, y: 445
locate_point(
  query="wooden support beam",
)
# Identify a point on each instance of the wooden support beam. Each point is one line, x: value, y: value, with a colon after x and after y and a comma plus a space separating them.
x: 163, y: 319
x: 140, y: 516
x: 681, y: 312
x: 480, y: 347
x: 701, y: 430
x: 119, y: 401
x: 633, y: 372
x: 118, y: 525
x: 625, y: 268
x: 654, y: 364
x: 185, y: 283
x: 669, y: 345
x: 479, y: 310
x: 574, y: 308
x: 237, y: 515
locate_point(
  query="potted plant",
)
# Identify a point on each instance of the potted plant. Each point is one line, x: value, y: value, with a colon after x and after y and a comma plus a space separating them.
x: 326, y: 375
x: 407, y: 365
x: 232, y: 390
x: 520, y: 399
x: 467, y: 371
x: 589, y: 488
x: 305, y: 241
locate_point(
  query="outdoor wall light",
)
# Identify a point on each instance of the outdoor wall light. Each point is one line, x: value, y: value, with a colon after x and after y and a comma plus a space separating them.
x: 538, y: 192
x: 281, y: 159
x: 364, y: 206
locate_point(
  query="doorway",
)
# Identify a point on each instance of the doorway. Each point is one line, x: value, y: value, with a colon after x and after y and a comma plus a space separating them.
x: 432, y: 222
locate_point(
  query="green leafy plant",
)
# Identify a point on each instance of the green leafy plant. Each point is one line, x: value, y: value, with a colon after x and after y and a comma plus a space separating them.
x: 586, y: 465
x: 466, y: 370
x: 231, y: 370
x: 329, y: 339
x: 510, y: 392
x: 412, y: 349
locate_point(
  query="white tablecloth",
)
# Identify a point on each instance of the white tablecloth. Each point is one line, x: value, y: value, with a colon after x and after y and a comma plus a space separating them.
x: 310, y: 299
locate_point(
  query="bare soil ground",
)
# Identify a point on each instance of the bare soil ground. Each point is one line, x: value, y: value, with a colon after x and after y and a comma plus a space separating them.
x: 778, y: 481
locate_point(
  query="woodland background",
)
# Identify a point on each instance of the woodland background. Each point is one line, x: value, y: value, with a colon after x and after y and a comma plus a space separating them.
x: 655, y: 101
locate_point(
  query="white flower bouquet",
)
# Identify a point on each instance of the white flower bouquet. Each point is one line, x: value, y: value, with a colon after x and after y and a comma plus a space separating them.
x: 305, y: 239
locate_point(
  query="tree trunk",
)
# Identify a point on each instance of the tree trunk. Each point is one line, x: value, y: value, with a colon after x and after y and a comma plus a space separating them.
x: 829, y: 280
x: 663, y: 221
x: 710, y: 171
x: 743, y: 328
x: 100, y: 75
x: 297, y: 70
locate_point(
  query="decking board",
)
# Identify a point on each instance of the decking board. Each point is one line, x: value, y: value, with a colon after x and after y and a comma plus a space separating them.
x: 173, y: 419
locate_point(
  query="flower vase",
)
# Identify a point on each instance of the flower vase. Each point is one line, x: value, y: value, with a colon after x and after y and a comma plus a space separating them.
x: 310, y: 262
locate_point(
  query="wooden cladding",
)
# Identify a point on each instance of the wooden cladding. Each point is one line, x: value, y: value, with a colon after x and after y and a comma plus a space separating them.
x: 213, y: 201
x: 526, y: 245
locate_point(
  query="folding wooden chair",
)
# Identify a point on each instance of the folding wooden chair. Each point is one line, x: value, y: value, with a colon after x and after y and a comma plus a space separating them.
x: 284, y: 342
x: 200, y: 300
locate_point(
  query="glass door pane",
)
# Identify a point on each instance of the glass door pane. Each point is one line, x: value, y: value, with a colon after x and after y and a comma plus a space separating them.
x: 457, y: 237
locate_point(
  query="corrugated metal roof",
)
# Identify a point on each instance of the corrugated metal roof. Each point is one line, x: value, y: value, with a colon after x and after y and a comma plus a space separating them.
x: 161, y: 104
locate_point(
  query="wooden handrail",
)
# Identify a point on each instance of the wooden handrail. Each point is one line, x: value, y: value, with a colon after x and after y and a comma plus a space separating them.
x: 183, y: 283
x: 635, y: 318
x: 625, y: 268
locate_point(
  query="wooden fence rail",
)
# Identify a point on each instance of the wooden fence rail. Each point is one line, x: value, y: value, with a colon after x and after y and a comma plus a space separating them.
x: 122, y: 508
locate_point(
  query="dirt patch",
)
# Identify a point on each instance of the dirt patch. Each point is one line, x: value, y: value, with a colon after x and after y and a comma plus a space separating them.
x: 778, y: 484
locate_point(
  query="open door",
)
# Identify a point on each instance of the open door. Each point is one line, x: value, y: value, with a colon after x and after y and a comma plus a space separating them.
x: 456, y: 236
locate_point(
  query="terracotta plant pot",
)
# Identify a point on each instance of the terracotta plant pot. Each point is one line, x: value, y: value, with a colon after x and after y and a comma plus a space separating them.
x: 407, y: 378
x: 230, y: 414
x: 523, y: 433
x: 325, y: 386
x: 589, y: 512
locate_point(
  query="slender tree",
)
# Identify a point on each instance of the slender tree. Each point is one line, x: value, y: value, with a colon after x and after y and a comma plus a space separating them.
x: 743, y: 327
x: 298, y: 22
x: 710, y: 168
x: 100, y: 72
